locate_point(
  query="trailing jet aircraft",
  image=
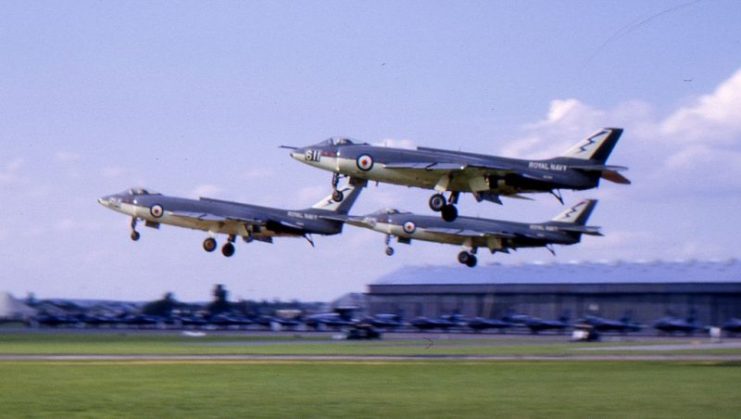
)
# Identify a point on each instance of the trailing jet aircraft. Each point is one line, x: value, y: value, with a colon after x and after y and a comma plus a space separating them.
x: 472, y: 233
x: 486, y: 177
x: 234, y: 219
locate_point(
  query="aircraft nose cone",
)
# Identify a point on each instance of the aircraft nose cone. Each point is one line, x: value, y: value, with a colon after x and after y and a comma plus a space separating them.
x: 297, y: 154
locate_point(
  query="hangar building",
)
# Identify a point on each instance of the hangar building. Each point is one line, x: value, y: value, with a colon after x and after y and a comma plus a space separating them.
x: 647, y: 291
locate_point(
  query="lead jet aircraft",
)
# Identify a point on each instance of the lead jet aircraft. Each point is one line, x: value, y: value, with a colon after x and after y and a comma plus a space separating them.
x: 486, y: 177
x: 234, y: 219
x: 472, y: 233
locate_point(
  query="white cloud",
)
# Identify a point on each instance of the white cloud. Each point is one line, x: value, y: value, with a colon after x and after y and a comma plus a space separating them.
x: 258, y: 173
x: 713, y: 118
x: 206, y: 190
x: 394, y: 143
x: 113, y: 172
x: 67, y: 157
x: 9, y: 174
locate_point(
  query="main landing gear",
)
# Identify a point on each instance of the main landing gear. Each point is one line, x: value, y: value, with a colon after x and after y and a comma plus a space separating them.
x: 227, y: 250
x: 468, y: 259
x: 446, y: 208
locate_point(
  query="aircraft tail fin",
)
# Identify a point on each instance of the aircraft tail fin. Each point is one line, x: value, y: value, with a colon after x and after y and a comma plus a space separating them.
x: 350, y: 194
x: 597, y: 147
x: 577, y: 214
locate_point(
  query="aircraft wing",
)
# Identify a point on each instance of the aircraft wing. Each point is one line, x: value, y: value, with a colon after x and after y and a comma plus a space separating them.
x: 470, y: 233
x: 214, y: 218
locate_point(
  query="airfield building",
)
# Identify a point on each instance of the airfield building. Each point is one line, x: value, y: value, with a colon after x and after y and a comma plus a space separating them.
x: 647, y: 291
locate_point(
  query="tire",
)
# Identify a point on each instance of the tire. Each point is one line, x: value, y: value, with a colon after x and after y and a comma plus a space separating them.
x: 228, y: 249
x: 135, y: 236
x: 337, y: 196
x: 449, y: 213
x: 463, y: 257
x: 437, y: 202
x: 471, y: 263
x: 389, y: 251
x: 209, y: 244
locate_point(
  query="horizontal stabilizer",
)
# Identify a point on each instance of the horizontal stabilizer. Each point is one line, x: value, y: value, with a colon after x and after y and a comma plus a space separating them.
x: 615, y: 177
x: 590, y: 230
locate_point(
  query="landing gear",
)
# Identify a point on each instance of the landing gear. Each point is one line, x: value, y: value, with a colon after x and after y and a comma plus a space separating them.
x: 437, y: 202
x: 228, y: 248
x: 389, y: 249
x: 209, y: 244
x: 134, y: 234
x: 449, y: 212
x: 468, y: 259
x: 337, y: 195
x: 446, y: 208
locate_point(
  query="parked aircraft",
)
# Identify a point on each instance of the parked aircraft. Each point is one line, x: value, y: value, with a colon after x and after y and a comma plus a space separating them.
x: 479, y: 324
x: 732, y: 326
x: 234, y: 219
x: 473, y: 233
x: 445, y: 322
x: 537, y: 325
x: 486, y: 177
x: 385, y: 321
x: 601, y: 324
x: 671, y: 324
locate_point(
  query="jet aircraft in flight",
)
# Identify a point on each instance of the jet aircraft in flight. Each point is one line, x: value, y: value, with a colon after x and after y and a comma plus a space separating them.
x: 472, y: 233
x: 234, y: 219
x: 486, y: 177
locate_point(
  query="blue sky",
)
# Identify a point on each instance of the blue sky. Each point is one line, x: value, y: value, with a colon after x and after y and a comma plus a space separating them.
x: 194, y: 98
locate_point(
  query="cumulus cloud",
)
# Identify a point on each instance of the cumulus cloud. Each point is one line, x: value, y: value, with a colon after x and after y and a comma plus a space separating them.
x: 10, y: 172
x: 67, y: 157
x: 207, y: 190
x: 394, y: 143
x: 714, y: 118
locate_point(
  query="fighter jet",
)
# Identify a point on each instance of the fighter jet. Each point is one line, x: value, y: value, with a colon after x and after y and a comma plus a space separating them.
x: 601, y: 324
x: 537, y: 325
x: 486, y: 177
x: 234, y: 219
x: 671, y: 324
x: 472, y: 233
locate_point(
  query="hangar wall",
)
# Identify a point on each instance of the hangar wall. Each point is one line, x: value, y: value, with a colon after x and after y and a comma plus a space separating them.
x: 646, y: 291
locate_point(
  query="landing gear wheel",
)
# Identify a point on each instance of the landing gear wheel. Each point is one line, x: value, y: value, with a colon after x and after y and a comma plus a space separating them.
x: 209, y: 244
x: 389, y: 251
x: 228, y: 249
x: 464, y: 256
x: 437, y: 202
x: 135, y: 235
x: 337, y: 196
x: 471, y: 262
x: 449, y: 212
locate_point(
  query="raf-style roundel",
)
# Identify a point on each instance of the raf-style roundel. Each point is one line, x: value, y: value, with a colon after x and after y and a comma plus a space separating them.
x: 156, y: 211
x: 364, y: 162
x: 409, y: 227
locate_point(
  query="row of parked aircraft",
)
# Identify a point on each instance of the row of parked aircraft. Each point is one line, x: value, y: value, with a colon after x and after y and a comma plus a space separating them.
x: 343, y: 319
x: 486, y: 177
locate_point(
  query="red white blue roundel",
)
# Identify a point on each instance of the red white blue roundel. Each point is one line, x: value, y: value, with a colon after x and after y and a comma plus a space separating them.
x: 409, y: 227
x: 364, y: 162
x: 156, y: 211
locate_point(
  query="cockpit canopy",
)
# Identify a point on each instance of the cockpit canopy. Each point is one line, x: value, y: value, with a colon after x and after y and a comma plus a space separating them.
x: 338, y: 141
x: 141, y: 191
x: 389, y: 211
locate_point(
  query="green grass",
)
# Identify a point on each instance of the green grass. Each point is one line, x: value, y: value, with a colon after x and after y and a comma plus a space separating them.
x: 370, y: 389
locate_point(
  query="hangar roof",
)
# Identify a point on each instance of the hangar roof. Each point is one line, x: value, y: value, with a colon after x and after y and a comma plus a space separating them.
x: 692, y: 271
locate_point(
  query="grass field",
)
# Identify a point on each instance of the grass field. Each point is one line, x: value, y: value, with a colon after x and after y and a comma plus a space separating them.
x: 341, y: 388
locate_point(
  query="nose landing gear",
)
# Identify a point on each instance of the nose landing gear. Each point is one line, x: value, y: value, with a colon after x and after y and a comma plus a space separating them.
x: 389, y: 249
x: 134, y: 234
x: 468, y: 259
x: 337, y: 194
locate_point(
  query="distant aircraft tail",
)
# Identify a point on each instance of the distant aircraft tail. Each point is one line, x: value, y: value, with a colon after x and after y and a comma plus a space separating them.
x: 574, y: 219
x: 350, y: 194
x: 595, y: 150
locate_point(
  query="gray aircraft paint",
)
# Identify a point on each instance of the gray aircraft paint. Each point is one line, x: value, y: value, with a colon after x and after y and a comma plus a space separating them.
x: 472, y: 233
x: 579, y: 168
x: 233, y: 218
